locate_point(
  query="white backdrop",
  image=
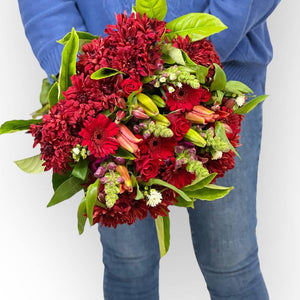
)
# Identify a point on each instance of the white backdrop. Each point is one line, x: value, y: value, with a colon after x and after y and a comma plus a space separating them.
x: 41, y: 254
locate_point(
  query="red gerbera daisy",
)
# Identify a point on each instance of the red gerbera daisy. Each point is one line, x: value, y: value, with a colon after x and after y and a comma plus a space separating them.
x: 98, y: 135
x: 186, y: 98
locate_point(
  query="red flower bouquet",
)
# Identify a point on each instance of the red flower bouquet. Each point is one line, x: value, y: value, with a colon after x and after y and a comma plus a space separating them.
x: 140, y: 119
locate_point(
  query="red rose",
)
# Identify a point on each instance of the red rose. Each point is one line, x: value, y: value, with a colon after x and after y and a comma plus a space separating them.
x: 148, y: 167
x: 130, y: 85
x: 179, y: 125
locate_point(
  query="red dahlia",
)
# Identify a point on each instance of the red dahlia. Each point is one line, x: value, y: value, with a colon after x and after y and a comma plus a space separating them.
x: 98, y: 135
x: 186, y: 98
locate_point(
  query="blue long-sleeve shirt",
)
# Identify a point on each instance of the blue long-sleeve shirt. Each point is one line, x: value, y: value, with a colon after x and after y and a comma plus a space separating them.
x: 244, y: 47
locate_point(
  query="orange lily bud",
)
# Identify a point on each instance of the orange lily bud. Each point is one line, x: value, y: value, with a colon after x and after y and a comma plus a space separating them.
x: 140, y: 114
x: 128, y: 134
x: 201, y: 115
x: 127, y: 185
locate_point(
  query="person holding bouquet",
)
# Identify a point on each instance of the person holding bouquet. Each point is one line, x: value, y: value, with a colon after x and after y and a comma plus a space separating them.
x: 223, y: 231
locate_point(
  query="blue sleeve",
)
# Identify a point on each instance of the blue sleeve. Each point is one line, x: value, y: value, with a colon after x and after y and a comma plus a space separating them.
x: 240, y: 16
x: 45, y: 22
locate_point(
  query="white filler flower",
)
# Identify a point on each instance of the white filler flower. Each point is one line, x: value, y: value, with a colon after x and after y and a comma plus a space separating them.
x: 154, y: 198
x: 240, y: 100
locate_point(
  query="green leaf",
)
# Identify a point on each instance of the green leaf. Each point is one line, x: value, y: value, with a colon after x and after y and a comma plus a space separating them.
x: 163, y: 234
x: 173, y: 52
x: 81, y: 218
x: 53, y: 94
x: 250, y: 105
x: 237, y: 87
x: 68, y: 63
x: 220, y: 96
x: 154, y: 9
x: 131, y: 100
x: 221, y: 132
x: 124, y: 153
x: 58, y: 179
x: 105, y: 73
x: 219, y: 82
x: 44, y: 91
x: 67, y: 189
x: 210, y: 192
x: 40, y: 112
x: 199, y: 184
x: 182, y: 203
x: 32, y: 165
x: 201, y: 73
x: 91, y: 199
x: 139, y: 194
x: 17, y: 125
x: 84, y: 38
x: 81, y: 169
x: 153, y: 181
x: 187, y: 59
x: 197, y: 25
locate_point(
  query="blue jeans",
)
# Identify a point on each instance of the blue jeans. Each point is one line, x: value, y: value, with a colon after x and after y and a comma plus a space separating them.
x: 223, y: 234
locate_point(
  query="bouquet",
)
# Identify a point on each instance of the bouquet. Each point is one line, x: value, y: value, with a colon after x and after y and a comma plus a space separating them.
x: 139, y: 120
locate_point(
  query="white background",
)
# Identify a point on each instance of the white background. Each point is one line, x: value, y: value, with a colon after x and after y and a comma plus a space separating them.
x: 41, y: 254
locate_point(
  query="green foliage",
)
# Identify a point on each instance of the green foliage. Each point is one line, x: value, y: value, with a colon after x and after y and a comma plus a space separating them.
x: 199, y: 184
x: 53, y: 94
x: 182, y: 203
x: 91, y: 199
x: 250, y: 105
x: 221, y: 132
x: 139, y: 194
x: 124, y: 153
x: 105, y: 73
x: 17, y: 125
x: 153, y: 181
x: 237, y: 87
x: 210, y: 192
x: 81, y: 169
x: 31, y: 165
x: 44, y: 91
x: 196, y: 25
x: 163, y: 234
x: 67, y: 189
x: 68, y: 63
x: 58, y: 179
x: 155, y: 9
x: 219, y: 82
x: 174, y: 53
x: 81, y: 218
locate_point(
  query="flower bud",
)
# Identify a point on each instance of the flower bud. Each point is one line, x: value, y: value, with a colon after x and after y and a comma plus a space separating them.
x: 100, y: 172
x: 195, y: 138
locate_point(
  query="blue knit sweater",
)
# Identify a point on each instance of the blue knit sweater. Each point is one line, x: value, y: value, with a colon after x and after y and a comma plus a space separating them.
x: 244, y: 48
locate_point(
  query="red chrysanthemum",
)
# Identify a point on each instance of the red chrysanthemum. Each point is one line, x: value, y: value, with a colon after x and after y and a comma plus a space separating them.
x: 158, y: 147
x: 56, y: 138
x: 98, y: 135
x: 125, y: 211
x: 185, y: 98
x: 201, y: 52
x: 133, y: 44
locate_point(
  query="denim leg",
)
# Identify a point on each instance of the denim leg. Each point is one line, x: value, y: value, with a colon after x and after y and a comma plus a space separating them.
x: 223, y: 231
x: 131, y: 260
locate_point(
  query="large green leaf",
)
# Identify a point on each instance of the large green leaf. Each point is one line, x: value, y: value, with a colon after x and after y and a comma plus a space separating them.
x: 81, y: 218
x: 44, y: 91
x: 81, y: 169
x: 182, y: 203
x: 250, y: 105
x: 91, y: 199
x: 163, y: 234
x: 153, y: 181
x: 210, y: 192
x: 173, y: 52
x: 53, y: 94
x: 84, y: 38
x: 154, y: 9
x: 17, y: 125
x: 68, y: 63
x: 124, y: 153
x: 105, y: 73
x: 199, y: 184
x: 58, y: 179
x: 221, y: 132
x: 237, y: 87
x: 32, y: 165
x: 196, y: 25
x: 219, y: 82
x: 66, y: 190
